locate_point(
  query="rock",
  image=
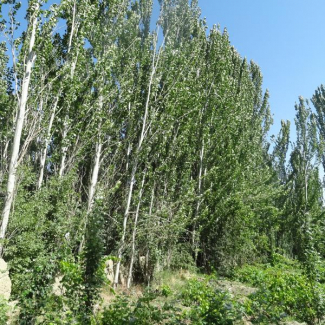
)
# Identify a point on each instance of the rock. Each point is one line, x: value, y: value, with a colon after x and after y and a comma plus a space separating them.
x: 122, y: 280
x: 58, y: 288
x: 142, y: 263
x: 109, y: 270
x: 236, y: 288
x: 5, y: 282
x: 122, y: 276
x: 13, y: 312
x: 246, y: 322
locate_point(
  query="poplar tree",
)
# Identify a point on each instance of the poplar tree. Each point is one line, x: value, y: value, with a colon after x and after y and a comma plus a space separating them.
x: 28, y: 60
x: 305, y: 188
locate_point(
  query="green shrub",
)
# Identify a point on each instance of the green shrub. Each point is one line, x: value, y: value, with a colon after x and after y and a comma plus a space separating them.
x: 208, y: 305
x: 321, y: 271
x: 166, y: 290
x: 118, y: 313
x: 4, y: 308
x: 144, y: 311
x: 256, y: 274
x: 281, y: 294
x: 181, y: 258
x: 251, y: 274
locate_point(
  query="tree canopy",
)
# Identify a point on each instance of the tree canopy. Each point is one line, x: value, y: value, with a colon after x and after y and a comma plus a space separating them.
x: 149, y: 145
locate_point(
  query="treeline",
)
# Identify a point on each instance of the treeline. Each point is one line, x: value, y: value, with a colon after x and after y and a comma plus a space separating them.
x: 149, y: 145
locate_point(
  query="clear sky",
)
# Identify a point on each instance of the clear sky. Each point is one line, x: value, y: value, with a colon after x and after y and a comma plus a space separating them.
x: 285, y: 37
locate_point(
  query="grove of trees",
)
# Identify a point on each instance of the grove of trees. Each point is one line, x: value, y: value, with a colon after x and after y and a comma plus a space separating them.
x: 148, y: 142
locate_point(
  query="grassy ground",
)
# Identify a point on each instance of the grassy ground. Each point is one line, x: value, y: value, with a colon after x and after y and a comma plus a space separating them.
x: 253, y: 295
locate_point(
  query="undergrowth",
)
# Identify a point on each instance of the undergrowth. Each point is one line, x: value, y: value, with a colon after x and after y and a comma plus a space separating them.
x: 282, y: 292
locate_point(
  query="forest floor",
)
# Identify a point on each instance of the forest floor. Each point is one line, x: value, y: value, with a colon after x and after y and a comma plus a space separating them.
x: 172, y: 285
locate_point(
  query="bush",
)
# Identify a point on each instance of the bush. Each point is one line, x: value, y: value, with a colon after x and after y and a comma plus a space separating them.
x: 4, y: 308
x: 208, y: 305
x: 141, y: 312
x: 283, y: 292
x: 166, y: 290
x: 253, y: 275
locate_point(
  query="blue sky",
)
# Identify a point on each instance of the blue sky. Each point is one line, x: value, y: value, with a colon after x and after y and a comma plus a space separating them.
x: 285, y: 37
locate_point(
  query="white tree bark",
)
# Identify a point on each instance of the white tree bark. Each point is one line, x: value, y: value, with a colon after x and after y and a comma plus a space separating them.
x: 73, y: 25
x: 96, y: 168
x: 46, y: 142
x: 72, y: 70
x: 147, y: 274
x: 134, y: 233
x: 4, y: 160
x: 144, y: 131
x: 5, y: 150
x: 194, y: 239
x: 94, y: 176
x: 92, y: 190
x: 18, y: 129
x: 64, y: 148
x: 126, y: 216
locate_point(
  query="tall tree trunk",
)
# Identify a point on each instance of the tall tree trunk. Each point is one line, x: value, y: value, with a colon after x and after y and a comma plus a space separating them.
x: 91, y: 190
x: 147, y: 271
x: 198, y: 203
x: 144, y: 131
x: 4, y: 160
x: 72, y: 70
x: 46, y: 142
x: 125, y: 220
x: 18, y: 129
x: 64, y: 147
x: 134, y: 233
x: 94, y: 176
